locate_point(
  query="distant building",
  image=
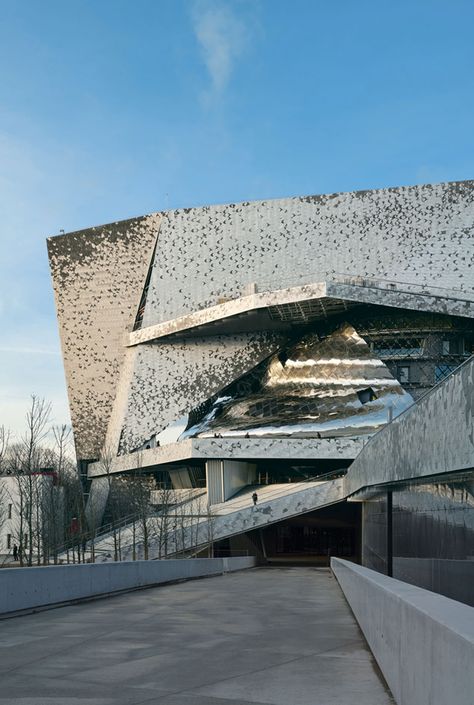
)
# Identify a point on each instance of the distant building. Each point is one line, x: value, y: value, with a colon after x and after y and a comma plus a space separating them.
x: 31, y: 513
x: 261, y: 346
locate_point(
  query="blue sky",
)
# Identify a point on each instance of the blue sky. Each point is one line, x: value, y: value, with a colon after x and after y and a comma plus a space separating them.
x: 115, y: 108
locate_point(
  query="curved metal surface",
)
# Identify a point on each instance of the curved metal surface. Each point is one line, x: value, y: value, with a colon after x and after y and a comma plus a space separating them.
x: 315, y: 388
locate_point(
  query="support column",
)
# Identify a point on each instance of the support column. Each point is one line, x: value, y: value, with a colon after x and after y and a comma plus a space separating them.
x: 389, y: 534
x: 224, y: 478
x: 215, y: 481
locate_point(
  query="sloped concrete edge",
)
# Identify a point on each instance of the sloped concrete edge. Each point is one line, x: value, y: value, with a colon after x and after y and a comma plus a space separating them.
x: 423, y: 642
x: 26, y: 589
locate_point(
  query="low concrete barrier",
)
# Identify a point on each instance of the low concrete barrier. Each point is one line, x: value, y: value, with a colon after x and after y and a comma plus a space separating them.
x: 423, y: 642
x: 29, y: 588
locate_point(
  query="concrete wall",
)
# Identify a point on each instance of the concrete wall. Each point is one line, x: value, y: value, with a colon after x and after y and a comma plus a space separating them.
x: 434, y: 436
x: 28, y: 588
x: 423, y: 642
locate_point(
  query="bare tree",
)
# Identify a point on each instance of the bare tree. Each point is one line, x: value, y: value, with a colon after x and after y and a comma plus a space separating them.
x: 163, y: 522
x: 28, y: 459
x: 4, y: 446
x: 4, y: 502
x: 74, y: 512
x: 120, y: 510
x: 4, y: 498
x: 53, y: 495
x: 42, y: 487
x: 139, y: 486
x: 210, y: 529
x: 142, y: 486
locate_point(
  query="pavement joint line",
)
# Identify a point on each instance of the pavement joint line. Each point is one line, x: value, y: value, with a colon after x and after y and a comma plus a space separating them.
x: 193, y: 689
x: 183, y: 692
x: 63, y: 650
x: 75, y: 644
x: 156, y: 699
x: 312, y: 644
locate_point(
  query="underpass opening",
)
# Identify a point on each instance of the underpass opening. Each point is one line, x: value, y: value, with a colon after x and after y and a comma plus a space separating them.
x: 311, y: 538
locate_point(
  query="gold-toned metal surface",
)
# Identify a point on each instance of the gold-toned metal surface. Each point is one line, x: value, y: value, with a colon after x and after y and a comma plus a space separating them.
x: 316, y: 388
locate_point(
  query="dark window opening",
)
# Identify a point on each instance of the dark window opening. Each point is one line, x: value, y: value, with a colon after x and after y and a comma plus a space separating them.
x: 366, y: 395
x: 398, y: 347
x: 403, y: 374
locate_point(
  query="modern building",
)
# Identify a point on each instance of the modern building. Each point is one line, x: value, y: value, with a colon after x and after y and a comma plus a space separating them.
x: 31, y: 515
x: 272, y: 347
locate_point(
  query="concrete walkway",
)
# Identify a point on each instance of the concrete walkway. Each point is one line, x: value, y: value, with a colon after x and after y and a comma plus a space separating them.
x: 280, y: 636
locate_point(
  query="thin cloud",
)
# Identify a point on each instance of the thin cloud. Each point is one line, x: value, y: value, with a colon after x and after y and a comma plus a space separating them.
x: 28, y: 351
x: 222, y: 36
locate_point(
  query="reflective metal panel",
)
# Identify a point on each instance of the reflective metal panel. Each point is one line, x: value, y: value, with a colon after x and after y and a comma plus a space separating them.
x: 374, y: 534
x: 318, y: 388
x: 433, y: 536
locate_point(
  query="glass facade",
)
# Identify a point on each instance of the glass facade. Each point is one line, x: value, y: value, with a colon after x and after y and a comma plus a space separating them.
x: 427, y: 538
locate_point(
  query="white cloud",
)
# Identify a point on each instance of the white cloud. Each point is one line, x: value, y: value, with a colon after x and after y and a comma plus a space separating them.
x: 222, y: 36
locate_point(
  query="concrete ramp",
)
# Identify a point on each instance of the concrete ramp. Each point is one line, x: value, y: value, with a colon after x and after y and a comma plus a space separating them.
x: 195, y: 525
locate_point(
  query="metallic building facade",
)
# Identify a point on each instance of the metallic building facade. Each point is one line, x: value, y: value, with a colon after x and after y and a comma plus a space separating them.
x: 274, y: 339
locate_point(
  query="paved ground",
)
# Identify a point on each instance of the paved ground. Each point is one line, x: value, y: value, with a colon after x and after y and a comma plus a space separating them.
x: 281, y: 636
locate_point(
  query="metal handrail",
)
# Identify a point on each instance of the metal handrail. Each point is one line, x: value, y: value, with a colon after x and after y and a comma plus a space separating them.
x: 357, y: 280
x: 333, y: 474
x: 111, y: 527
x: 423, y: 396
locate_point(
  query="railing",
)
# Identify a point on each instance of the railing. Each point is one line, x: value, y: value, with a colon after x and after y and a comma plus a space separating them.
x: 91, y: 543
x: 423, y: 396
x: 295, y: 280
x: 233, y: 503
x: 116, y: 526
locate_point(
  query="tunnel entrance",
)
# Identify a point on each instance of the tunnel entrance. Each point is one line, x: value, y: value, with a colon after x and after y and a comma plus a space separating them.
x: 311, y: 538
x: 315, y: 537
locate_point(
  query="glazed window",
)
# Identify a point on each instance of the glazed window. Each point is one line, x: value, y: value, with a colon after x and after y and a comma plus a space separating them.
x: 403, y: 374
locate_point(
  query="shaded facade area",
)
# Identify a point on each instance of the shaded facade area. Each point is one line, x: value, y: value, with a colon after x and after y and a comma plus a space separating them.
x: 423, y: 533
x: 415, y: 481
x: 311, y: 539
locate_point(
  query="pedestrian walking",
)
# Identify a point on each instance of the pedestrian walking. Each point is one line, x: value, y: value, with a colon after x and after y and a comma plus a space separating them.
x: 255, y: 498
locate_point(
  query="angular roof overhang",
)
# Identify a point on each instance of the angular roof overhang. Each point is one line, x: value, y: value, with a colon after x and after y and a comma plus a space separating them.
x: 298, y: 449
x: 281, y: 309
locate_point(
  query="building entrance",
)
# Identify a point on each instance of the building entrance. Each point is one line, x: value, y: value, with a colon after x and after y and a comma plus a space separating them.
x: 316, y: 536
